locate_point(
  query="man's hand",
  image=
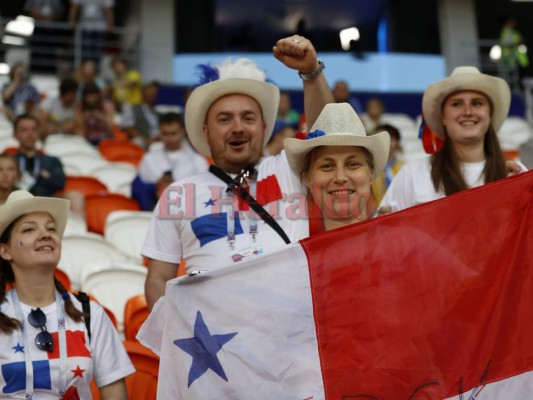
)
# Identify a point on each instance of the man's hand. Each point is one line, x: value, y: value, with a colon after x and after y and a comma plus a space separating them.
x: 296, y: 52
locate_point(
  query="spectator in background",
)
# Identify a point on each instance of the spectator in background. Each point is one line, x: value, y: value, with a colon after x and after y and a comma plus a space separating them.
x: 126, y: 87
x: 341, y: 94
x: 282, y: 131
x: 140, y: 121
x: 9, y: 176
x: 285, y: 112
x: 40, y: 174
x: 94, y: 116
x: 96, y: 18
x: 175, y: 161
x: 384, y: 179
x: 45, y: 37
x: 58, y: 113
x: 87, y: 73
x: 374, y: 112
x: 514, y: 54
x: 19, y: 95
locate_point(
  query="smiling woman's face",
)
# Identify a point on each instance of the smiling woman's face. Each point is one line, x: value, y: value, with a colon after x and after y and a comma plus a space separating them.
x: 339, y: 179
x: 466, y: 116
x: 33, y: 242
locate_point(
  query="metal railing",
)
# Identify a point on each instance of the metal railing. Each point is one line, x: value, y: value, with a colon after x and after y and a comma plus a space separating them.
x: 54, y: 45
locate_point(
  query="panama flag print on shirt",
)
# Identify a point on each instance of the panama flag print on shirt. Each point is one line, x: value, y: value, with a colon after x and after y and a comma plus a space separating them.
x: 433, y: 302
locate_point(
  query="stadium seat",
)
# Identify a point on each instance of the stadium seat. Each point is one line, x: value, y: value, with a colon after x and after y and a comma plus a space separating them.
x: 62, y: 277
x: 75, y: 225
x: 80, y: 252
x: 143, y: 383
x: 62, y: 137
x: 114, y: 174
x: 514, y: 132
x: 135, y: 313
x: 88, y: 185
x: 120, y: 150
x: 113, y: 286
x: 8, y: 145
x: 399, y: 120
x: 97, y: 208
x: 83, y: 162
x: 126, y: 230
x: 60, y: 148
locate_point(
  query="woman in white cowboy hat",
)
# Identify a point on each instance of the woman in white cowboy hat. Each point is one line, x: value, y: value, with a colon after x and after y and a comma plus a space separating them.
x: 46, y: 350
x: 337, y: 163
x: 465, y: 111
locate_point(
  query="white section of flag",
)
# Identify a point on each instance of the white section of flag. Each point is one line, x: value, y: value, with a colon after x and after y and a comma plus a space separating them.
x: 519, y: 387
x: 268, y: 303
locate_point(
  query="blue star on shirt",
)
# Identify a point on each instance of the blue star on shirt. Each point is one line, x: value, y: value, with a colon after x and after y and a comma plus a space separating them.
x: 18, y: 348
x: 210, y: 202
x: 203, y: 348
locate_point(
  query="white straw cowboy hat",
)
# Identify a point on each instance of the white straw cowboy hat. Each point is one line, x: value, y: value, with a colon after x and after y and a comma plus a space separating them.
x: 339, y: 125
x: 466, y: 78
x: 21, y: 202
x: 240, y: 77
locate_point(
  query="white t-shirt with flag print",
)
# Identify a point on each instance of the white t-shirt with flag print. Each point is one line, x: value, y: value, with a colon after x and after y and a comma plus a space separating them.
x: 103, y: 358
x: 191, y: 219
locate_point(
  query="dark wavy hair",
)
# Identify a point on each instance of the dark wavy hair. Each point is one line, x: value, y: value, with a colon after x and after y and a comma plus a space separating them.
x: 446, y: 171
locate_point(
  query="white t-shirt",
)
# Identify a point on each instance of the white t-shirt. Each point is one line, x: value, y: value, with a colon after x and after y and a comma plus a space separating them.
x: 413, y: 185
x: 103, y: 357
x: 183, y: 163
x: 193, y: 218
x: 58, y: 114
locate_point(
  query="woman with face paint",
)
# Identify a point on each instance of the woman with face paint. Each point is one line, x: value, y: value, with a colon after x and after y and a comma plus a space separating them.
x: 46, y: 350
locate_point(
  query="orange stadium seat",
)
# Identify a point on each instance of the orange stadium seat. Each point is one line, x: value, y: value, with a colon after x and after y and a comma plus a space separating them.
x: 119, y: 134
x: 143, y: 383
x: 88, y: 185
x: 62, y: 277
x: 135, y: 313
x: 97, y: 207
x: 120, y: 150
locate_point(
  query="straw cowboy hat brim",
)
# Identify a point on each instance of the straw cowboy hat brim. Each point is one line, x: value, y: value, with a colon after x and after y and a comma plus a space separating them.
x: 378, y: 145
x: 21, y: 202
x: 340, y: 126
x: 201, y: 99
x: 466, y: 78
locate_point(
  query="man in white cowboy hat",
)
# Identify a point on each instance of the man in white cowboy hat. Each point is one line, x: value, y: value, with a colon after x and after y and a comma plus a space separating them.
x: 230, y: 119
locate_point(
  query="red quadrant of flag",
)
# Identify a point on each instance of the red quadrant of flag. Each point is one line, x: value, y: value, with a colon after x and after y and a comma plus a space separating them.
x: 430, y: 300
x: 75, y: 345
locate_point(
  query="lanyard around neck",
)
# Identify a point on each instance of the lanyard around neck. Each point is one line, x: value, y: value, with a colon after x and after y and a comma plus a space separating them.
x: 27, y: 351
x: 36, y: 165
x: 254, y: 205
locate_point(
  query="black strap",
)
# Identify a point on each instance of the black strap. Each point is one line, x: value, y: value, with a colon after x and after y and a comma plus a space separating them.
x: 234, y: 187
x: 86, y: 306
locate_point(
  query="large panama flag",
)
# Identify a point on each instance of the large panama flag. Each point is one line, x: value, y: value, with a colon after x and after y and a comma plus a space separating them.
x: 432, y: 302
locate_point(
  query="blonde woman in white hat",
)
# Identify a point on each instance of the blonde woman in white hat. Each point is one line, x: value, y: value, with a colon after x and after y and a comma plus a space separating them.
x: 46, y: 350
x: 337, y: 162
x: 465, y: 111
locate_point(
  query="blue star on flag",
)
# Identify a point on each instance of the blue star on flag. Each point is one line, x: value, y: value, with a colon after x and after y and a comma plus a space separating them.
x: 203, y: 348
x: 18, y: 348
x: 210, y: 202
